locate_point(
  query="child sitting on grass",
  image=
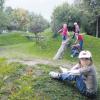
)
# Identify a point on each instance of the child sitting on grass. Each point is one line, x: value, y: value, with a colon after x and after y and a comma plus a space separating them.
x: 79, y: 39
x: 75, y: 50
x: 83, y: 74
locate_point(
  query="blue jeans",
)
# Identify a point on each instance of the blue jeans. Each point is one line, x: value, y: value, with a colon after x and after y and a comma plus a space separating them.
x: 81, y: 44
x: 74, y: 52
x: 80, y: 84
x: 64, y: 37
x: 79, y: 81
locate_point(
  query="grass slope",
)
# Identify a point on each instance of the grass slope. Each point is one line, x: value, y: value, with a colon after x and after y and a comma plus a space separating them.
x: 46, y: 48
x: 93, y: 44
x: 17, y: 81
x: 12, y: 38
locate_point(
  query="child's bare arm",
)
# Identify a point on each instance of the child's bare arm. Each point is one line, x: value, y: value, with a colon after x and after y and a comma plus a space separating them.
x: 75, y: 67
x: 60, y: 31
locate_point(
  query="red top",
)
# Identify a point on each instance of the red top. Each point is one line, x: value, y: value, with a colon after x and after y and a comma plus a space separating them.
x: 64, y: 31
x: 80, y: 37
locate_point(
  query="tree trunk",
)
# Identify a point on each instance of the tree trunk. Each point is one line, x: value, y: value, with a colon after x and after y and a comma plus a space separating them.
x: 97, y: 28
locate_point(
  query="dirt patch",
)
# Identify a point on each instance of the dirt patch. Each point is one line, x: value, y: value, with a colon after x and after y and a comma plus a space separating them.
x: 43, y: 61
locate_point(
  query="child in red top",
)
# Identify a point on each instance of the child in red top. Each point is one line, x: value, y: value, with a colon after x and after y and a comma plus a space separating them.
x: 79, y: 38
x: 64, y: 32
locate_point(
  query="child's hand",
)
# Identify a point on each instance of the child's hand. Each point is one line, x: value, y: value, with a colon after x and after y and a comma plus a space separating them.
x: 60, y: 31
x: 64, y: 70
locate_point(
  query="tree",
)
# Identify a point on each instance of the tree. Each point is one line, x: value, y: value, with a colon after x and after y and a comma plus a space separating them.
x: 59, y: 16
x: 37, y: 23
x: 93, y: 9
x: 2, y: 4
x: 3, y: 21
x: 64, y: 14
x: 3, y: 17
x: 95, y: 5
x: 18, y: 19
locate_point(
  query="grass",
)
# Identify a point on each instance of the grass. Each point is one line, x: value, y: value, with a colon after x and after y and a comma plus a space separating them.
x: 16, y: 45
x: 17, y: 81
x: 12, y: 38
x: 22, y: 47
x: 93, y: 44
x: 21, y: 82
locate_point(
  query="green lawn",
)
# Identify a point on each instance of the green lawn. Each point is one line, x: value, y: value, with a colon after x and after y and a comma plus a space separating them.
x: 12, y: 38
x: 17, y: 45
x: 18, y: 82
x: 21, y: 82
x: 93, y: 44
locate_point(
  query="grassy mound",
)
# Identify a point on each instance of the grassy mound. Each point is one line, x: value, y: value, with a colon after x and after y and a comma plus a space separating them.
x: 12, y: 38
x: 23, y: 82
x: 22, y: 47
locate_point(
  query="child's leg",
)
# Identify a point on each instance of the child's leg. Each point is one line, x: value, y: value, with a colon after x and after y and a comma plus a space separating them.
x: 82, y: 87
x: 73, y: 53
x: 62, y: 76
x: 81, y: 84
x: 76, y: 53
x: 64, y: 37
x: 67, y: 76
x: 79, y: 81
x: 81, y: 45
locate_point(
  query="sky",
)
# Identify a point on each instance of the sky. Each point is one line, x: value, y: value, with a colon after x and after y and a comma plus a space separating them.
x: 43, y: 7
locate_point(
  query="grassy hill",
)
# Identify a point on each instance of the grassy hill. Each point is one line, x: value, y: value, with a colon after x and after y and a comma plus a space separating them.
x: 93, y: 44
x: 12, y: 38
x: 22, y: 82
x: 17, y: 45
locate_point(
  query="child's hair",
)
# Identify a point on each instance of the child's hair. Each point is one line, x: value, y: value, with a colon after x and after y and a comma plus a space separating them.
x: 64, y: 24
x: 90, y: 60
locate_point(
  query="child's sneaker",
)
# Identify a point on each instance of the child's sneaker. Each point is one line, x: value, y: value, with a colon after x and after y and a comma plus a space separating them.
x: 54, y: 75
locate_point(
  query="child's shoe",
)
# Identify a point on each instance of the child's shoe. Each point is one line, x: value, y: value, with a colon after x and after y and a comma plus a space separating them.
x: 55, y: 75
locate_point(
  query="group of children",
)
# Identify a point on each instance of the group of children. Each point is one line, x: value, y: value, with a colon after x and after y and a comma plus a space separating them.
x: 78, y: 46
x: 83, y: 73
